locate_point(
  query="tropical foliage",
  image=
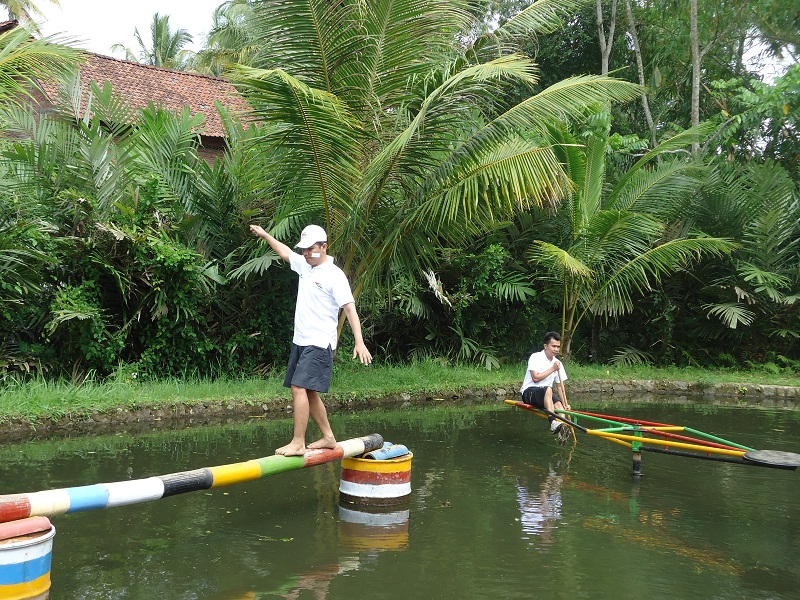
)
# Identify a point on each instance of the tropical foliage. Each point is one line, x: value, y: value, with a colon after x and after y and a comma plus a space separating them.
x: 165, y: 48
x: 407, y: 148
x: 619, y: 234
x: 24, y: 10
x: 232, y: 39
x: 478, y: 185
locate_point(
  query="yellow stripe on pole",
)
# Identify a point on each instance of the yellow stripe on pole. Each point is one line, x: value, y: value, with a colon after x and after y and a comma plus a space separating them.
x: 235, y: 473
x: 644, y: 440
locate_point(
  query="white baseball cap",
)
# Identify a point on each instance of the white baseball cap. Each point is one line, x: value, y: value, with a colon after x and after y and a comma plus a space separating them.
x: 310, y: 236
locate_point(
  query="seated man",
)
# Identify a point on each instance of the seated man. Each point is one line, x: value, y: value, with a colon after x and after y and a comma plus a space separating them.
x: 544, y: 369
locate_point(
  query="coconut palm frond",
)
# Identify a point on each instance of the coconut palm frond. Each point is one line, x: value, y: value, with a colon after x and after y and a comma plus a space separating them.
x: 658, y: 191
x: 558, y: 259
x: 25, y: 60
x: 643, y: 271
x: 630, y: 357
x: 678, y: 142
x: 566, y: 100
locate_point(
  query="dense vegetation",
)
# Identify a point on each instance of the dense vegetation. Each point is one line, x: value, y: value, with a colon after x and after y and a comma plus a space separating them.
x: 482, y: 178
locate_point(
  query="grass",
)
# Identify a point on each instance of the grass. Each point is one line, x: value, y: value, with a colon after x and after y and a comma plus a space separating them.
x: 38, y: 399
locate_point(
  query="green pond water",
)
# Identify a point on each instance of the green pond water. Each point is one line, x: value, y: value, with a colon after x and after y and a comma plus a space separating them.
x: 498, y: 510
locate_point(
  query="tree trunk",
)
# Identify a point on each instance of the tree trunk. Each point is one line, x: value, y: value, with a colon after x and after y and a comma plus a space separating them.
x: 595, y: 343
x: 694, y: 37
x: 640, y: 68
x: 698, y: 54
x: 606, y: 43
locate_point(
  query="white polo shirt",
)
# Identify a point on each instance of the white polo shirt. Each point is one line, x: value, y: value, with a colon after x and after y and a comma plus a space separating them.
x: 322, y: 291
x: 538, y: 362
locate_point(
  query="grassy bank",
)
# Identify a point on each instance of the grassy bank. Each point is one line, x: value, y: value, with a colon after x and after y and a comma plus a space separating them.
x: 40, y: 399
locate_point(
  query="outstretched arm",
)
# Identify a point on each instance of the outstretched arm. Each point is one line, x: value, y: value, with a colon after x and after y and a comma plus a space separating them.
x: 280, y: 248
x: 360, y: 349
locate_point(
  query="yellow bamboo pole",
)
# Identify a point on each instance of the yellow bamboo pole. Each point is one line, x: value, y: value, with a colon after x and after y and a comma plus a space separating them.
x: 620, y: 442
x: 672, y: 444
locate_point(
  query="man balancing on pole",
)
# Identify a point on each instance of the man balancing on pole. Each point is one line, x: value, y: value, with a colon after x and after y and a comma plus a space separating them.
x: 544, y: 369
x: 322, y: 291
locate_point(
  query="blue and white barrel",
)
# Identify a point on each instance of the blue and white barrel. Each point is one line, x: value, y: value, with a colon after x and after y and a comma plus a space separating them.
x: 25, y: 562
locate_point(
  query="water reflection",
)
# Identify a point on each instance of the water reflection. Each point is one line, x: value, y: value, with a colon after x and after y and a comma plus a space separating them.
x: 363, y: 534
x: 372, y: 530
x: 488, y: 489
x: 540, y: 500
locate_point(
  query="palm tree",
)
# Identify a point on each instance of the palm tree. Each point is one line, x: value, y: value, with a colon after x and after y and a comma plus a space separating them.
x: 612, y: 240
x: 24, y: 11
x: 166, y: 49
x: 232, y: 38
x: 25, y: 60
x: 387, y: 127
x: 758, y: 286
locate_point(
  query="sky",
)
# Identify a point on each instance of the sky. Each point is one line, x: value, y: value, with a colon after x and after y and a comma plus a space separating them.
x: 99, y: 24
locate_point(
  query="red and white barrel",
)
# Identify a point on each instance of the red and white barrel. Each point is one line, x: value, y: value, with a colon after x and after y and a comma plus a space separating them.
x: 376, y: 482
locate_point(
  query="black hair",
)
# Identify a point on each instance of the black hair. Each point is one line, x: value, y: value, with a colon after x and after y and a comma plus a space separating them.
x: 551, y: 335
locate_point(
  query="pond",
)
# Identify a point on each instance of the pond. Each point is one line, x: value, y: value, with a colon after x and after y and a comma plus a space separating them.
x: 498, y: 509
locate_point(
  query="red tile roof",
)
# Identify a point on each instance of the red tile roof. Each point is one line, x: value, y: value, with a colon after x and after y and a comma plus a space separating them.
x: 141, y: 84
x: 8, y: 25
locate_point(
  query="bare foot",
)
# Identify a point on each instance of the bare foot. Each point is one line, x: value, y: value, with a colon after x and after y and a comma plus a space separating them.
x: 326, y: 442
x: 292, y: 449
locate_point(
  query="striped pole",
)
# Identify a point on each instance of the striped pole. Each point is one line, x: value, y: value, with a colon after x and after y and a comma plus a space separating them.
x: 107, y: 495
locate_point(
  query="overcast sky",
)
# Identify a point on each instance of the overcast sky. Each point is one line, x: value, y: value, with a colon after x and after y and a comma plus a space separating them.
x: 99, y: 24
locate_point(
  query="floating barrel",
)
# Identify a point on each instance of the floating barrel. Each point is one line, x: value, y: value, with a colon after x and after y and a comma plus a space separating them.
x: 26, y: 548
x: 364, y: 530
x: 377, y: 480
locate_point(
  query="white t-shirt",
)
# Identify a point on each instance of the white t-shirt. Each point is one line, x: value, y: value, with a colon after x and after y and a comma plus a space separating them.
x: 538, y: 362
x: 322, y: 291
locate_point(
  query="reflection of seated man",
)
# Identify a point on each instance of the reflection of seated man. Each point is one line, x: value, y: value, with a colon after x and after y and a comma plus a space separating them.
x: 540, y: 510
x: 544, y: 370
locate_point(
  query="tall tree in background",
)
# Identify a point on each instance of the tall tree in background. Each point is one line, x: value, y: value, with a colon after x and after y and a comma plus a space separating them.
x: 232, y: 39
x: 637, y: 51
x: 166, y: 48
x: 390, y: 133
x: 606, y: 36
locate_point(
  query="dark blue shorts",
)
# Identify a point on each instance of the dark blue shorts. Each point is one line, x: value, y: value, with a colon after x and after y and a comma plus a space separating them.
x: 310, y: 367
x: 534, y: 396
